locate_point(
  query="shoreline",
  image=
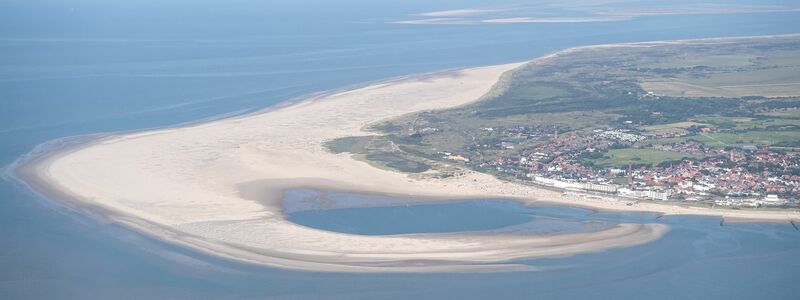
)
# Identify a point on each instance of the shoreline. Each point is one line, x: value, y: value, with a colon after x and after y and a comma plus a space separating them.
x: 216, y: 186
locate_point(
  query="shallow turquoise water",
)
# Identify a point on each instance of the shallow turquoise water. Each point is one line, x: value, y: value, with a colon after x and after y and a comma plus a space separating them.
x: 98, y: 66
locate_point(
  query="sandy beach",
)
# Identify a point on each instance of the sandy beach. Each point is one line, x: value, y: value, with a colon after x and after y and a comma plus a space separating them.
x: 216, y: 187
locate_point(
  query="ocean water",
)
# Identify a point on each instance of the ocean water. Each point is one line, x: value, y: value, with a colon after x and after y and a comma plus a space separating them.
x: 87, y: 66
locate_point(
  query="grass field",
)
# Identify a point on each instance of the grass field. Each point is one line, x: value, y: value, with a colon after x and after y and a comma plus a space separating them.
x: 714, y: 61
x: 738, y: 139
x: 773, y: 74
x: 671, y: 126
x: 620, y: 158
x: 793, y: 114
x: 536, y: 92
x: 760, y: 138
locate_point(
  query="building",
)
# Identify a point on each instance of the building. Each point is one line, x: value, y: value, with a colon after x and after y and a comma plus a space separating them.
x: 657, y: 195
x: 772, y: 199
x: 649, y: 194
x: 598, y: 187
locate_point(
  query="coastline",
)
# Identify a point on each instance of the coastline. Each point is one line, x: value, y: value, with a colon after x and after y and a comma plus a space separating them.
x: 216, y: 186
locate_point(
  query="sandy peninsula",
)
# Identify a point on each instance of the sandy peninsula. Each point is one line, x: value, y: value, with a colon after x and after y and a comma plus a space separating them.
x: 216, y: 187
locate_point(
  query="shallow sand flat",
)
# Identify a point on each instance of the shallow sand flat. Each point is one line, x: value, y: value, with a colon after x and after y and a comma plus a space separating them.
x: 195, y: 185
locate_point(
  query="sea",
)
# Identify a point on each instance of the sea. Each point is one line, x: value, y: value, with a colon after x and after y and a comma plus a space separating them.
x: 77, y: 67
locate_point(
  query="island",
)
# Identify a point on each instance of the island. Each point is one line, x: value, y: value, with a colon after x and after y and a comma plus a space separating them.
x: 581, y: 127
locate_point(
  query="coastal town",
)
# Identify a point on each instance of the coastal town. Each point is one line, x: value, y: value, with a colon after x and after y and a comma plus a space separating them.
x: 655, y: 126
x: 747, y: 176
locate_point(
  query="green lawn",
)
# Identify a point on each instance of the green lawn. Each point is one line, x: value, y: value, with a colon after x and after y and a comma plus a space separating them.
x: 747, y: 123
x: 714, y: 61
x: 764, y: 138
x: 792, y: 114
x: 671, y: 126
x: 756, y: 138
x: 620, y: 158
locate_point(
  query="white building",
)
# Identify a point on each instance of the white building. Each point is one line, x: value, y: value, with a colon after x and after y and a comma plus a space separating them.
x: 655, y: 195
x: 772, y: 199
x: 606, y: 188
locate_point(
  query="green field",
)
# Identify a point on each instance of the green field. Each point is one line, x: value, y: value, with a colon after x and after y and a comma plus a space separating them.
x: 671, y: 126
x: 759, y: 138
x: 743, y: 90
x: 620, y: 158
x: 747, y: 123
x: 792, y: 114
x: 773, y: 74
x: 738, y: 139
x: 715, y: 61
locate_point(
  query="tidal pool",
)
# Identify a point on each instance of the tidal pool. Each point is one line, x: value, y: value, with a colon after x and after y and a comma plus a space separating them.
x: 385, y: 215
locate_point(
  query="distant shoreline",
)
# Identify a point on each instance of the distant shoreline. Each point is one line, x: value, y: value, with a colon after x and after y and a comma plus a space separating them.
x: 216, y: 186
